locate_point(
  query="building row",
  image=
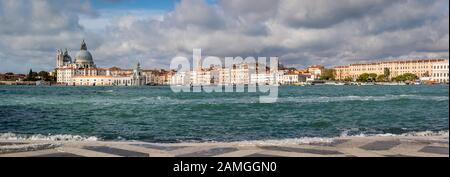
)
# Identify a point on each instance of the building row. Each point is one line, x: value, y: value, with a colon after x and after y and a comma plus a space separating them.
x: 245, y: 73
x: 83, y: 72
x: 433, y: 69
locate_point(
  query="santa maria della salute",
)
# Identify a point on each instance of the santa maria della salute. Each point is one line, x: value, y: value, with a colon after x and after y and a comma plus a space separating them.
x: 82, y: 71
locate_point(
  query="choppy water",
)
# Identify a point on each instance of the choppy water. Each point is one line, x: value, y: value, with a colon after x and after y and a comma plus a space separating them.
x: 156, y: 114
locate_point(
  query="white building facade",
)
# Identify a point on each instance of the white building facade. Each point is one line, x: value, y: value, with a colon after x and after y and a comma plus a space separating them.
x: 83, y: 72
x: 439, y: 72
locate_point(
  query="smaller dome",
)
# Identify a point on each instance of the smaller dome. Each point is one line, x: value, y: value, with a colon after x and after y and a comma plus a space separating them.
x: 66, y: 57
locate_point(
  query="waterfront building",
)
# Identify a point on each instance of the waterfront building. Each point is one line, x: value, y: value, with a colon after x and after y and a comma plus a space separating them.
x: 164, y: 77
x: 224, y: 76
x: 244, y: 74
x: 264, y: 78
x: 315, y: 70
x: 289, y: 79
x: 439, y: 72
x: 181, y: 78
x: 240, y: 73
x: 83, y: 71
x: 211, y: 76
x: 419, y: 67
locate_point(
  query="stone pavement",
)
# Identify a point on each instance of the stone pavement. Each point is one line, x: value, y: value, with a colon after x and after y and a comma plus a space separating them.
x: 394, y: 146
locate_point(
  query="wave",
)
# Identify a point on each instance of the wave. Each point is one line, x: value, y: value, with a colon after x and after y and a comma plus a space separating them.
x: 327, y: 140
x: 287, y: 141
x: 105, y: 91
x: 362, y: 98
x: 165, y: 100
x: 300, y: 99
x: 407, y: 134
x: 40, y: 137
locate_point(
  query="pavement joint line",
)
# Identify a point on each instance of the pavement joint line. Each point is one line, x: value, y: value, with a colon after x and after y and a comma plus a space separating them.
x: 29, y: 153
x: 290, y: 154
x: 239, y: 153
x: 190, y: 149
x: 151, y: 152
x: 359, y: 152
x: 87, y: 153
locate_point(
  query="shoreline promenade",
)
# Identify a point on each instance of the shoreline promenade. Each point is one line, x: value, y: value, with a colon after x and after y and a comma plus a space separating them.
x: 373, y: 146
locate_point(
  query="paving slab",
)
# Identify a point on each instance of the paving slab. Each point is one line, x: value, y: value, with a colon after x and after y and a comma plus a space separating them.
x: 380, y: 145
x: 301, y: 150
x: 159, y: 147
x: 261, y: 155
x: 435, y: 150
x: 210, y: 152
x: 116, y: 151
x: 58, y: 154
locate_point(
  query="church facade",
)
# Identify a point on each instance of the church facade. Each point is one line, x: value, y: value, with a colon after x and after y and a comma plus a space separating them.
x: 82, y: 71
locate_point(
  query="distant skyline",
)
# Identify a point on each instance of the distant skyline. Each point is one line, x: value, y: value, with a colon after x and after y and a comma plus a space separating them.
x: 301, y: 32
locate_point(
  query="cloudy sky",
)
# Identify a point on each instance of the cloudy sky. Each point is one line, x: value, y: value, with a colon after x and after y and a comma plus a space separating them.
x: 300, y: 32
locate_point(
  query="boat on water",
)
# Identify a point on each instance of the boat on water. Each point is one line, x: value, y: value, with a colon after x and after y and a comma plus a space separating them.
x: 334, y: 83
x: 339, y: 83
x: 393, y: 83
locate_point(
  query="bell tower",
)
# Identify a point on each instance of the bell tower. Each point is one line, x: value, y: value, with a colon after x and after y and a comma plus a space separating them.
x: 59, y: 58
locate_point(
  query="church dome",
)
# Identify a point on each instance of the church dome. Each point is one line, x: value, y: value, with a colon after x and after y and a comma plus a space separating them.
x: 83, y: 56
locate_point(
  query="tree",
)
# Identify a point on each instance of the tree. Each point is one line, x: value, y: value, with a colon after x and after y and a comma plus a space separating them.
x: 372, y: 77
x: 348, y: 79
x: 31, y: 76
x: 328, y: 74
x: 366, y: 77
x: 46, y: 76
x: 410, y: 77
x: 387, y: 73
x: 363, y: 77
x: 381, y: 78
x: 43, y: 74
x: 406, y: 77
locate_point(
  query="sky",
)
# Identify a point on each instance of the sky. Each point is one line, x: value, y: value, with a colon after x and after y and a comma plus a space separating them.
x: 300, y: 32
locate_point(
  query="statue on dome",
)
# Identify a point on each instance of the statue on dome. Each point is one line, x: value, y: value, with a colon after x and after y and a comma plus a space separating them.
x: 83, y: 45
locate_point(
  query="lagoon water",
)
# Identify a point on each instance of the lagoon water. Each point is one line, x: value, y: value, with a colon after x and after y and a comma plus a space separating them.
x: 156, y: 114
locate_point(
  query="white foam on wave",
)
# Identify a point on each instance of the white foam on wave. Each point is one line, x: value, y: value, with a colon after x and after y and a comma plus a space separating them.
x: 289, y: 141
x: 40, y: 137
x: 307, y: 99
x: 105, y: 91
x: 413, y: 133
x: 298, y: 99
x: 325, y: 140
x: 163, y: 100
